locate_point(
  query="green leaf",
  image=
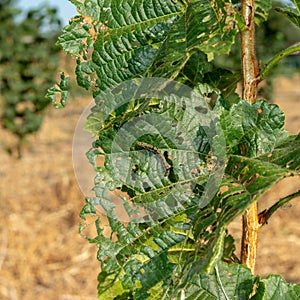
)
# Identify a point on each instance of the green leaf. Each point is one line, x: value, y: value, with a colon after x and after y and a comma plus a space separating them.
x: 226, y: 282
x: 231, y: 200
x: 262, y: 8
x: 59, y: 94
x: 157, y: 206
x: 297, y: 4
x: 129, y: 39
x: 135, y: 170
x: 277, y: 288
x: 291, y: 13
x: 157, y: 270
x: 75, y: 38
x: 231, y: 281
x: 136, y: 257
x: 207, y: 26
x: 195, y: 69
x: 173, y: 54
x: 211, y: 26
x: 253, y: 129
x: 286, y: 155
x: 124, y: 38
x: 159, y: 171
x: 246, y: 180
x: 226, y: 82
x: 89, y: 8
x: 256, y: 176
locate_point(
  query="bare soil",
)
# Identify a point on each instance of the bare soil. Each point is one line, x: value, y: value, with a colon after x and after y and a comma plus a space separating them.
x: 42, y: 256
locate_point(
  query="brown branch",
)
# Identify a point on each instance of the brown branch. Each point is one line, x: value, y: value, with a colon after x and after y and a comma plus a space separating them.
x: 249, y: 61
x: 250, y: 82
x: 250, y: 237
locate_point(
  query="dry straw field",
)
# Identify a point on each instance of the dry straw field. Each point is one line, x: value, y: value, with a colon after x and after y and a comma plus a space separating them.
x: 42, y: 256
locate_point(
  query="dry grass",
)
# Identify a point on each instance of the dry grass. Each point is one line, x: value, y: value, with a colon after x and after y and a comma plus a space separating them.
x: 42, y: 256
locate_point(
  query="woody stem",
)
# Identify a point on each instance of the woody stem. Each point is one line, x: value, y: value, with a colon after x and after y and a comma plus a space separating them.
x: 250, y: 82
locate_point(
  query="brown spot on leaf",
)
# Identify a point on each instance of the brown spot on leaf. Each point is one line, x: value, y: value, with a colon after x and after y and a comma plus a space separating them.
x: 224, y: 189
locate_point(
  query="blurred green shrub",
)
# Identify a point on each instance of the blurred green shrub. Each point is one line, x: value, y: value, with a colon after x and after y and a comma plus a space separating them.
x: 28, y: 62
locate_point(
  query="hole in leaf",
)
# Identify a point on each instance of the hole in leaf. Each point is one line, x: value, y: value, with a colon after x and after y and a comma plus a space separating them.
x: 134, y: 168
x: 289, y: 164
x: 174, y: 63
x: 146, y: 187
x: 114, y: 237
x: 251, y: 179
x: 99, y: 161
x: 201, y: 109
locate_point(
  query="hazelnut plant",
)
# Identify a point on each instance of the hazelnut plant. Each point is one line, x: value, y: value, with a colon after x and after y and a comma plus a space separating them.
x: 173, y: 242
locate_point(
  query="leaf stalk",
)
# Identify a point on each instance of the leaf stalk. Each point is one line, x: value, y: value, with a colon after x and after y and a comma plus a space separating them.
x: 265, y: 215
x: 279, y: 56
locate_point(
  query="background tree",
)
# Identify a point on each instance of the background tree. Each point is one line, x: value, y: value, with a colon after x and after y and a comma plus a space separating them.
x: 28, y: 62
